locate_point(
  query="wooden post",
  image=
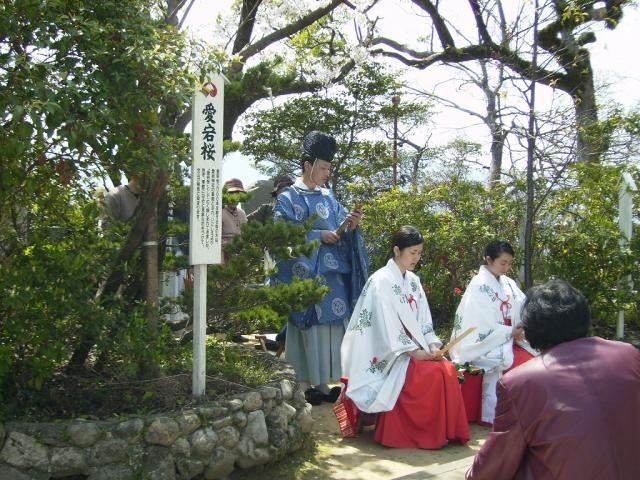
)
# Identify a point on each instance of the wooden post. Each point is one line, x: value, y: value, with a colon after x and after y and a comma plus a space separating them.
x: 205, y: 232
x: 199, y: 329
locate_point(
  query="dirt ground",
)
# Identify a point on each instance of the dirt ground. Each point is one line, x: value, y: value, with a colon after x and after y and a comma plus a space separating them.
x: 362, y: 458
x: 332, y: 457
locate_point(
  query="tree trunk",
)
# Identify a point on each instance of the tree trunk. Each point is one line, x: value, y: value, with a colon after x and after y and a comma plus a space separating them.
x: 150, y: 255
x: 150, y: 250
x: 587, y: 149
x: 497, y: 147
x: 531, y: 149
x: 146, y: 209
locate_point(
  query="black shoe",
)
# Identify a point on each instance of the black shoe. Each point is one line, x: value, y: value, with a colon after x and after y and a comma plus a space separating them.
x: 314, y: 396
x: 333, y: 395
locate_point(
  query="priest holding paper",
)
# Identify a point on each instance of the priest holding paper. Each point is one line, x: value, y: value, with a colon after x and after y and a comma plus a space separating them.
x: 393, y: 361
x: 340, y: 262
x: 491, y: 304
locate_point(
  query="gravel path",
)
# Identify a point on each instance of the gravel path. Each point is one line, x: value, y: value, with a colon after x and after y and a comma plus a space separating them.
x: 362, y: 459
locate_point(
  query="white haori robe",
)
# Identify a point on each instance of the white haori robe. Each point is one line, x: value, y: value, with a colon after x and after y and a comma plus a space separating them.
x: 486, y: 303
x: 376, y: 339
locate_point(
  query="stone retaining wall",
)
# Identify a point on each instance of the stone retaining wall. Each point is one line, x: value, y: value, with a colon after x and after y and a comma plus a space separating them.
x: 206, y: 441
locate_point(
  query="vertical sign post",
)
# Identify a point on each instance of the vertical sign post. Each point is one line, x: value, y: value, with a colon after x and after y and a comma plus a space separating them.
x: 625, y: 222
x: 205, y: 245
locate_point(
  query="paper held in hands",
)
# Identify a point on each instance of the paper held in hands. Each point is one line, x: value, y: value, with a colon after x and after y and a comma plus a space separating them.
x: 345, y: 223
x: 456, y: 340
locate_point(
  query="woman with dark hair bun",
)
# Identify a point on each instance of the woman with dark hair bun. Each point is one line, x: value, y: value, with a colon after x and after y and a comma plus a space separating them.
x: 492, y: 304
x: 393, y: 361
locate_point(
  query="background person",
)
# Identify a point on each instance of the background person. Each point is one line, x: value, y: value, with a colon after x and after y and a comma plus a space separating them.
x: 391, y: 357
x: 572, y: 412
x: 121, y: 203
x: 233, y: 217
x: 264, y: 212
x: 314, y: 335
x: 491, y: 303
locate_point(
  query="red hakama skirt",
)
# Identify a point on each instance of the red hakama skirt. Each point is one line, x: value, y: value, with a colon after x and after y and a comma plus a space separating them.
x: 429, y: 411
x: 472, y: 395
x: 520, y: 356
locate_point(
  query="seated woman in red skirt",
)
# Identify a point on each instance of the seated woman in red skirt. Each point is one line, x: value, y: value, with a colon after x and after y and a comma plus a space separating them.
x: 491, y: 304
x: 391, y: 357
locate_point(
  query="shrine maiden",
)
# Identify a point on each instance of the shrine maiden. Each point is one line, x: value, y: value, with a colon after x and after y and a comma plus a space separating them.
x: 492, y: 304
x: 391, y: 357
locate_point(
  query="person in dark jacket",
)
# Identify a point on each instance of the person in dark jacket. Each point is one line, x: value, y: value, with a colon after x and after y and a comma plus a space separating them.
x: 265, y: 211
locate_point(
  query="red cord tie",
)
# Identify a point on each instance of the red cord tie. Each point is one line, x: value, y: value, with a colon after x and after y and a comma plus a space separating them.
x: 411, y: 299
x: 505, y: 306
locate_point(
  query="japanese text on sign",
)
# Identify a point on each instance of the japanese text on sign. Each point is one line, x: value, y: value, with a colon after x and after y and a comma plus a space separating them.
x: 206, y: 198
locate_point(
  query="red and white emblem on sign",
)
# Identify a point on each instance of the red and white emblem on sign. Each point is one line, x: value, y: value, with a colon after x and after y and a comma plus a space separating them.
x: 209, y: 89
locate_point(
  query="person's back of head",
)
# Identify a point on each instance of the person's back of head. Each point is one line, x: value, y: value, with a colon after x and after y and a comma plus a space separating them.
x: 555, y: 312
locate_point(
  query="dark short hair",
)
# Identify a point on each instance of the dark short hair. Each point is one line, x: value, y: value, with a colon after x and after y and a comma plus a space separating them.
x: 497, y: 247
x: 553, y: 313
x: 405, y: 237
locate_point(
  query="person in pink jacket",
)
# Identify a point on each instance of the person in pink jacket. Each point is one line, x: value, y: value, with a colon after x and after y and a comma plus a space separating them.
x: 574, y: 411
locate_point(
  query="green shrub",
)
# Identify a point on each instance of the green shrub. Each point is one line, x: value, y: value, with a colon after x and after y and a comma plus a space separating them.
x: 457, y: 219
x: 578, y: 239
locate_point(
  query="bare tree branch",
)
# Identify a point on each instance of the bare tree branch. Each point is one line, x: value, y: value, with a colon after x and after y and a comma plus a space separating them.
x: 474, y: 52
x: 450, y: 104
x: 482, y: 27
x: 245, y: 24
x: 285, y: 32
x: 446, y: 39
x: 401, y: 48
x: 186, y: 14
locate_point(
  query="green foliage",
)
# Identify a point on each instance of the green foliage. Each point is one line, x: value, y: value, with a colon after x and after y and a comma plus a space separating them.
x: 455, y: 158
x: 457, y: 218
x: 224, y: 361
x: 88, y: 90
x: 234, y: 197
x: 49, y: 284
x: 132, y: 349
x: 578, y: 240
x: 238, y: 298
x: 354, y: 114
x: 45, y: 286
